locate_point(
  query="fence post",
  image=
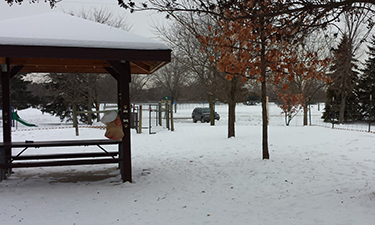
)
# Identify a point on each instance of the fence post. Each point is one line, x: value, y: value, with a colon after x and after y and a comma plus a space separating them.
x: 140, y: 120
x: 369, y: 126
x: 172, y: 125
x: 371, y: 117
x: 167, y: 115
x: 310, y: 111
x: 149, y: 119
x: 160, y: 116
x: 156, y: 114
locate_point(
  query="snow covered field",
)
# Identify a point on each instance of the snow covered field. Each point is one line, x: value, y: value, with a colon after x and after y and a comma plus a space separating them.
x: 195, y: 175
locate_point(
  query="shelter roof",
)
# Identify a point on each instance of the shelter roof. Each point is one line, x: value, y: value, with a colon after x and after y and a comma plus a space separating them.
x: 57, y: 42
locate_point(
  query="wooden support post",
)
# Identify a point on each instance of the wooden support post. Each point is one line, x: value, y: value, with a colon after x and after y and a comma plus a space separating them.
x: 140, y: 120
x: 160, y: 114
x: 123, y: 79
x: 15, y: 70
x: 172, y: 122
x: 2, y: 150
x: 2, y: 161
x: 124, y: 107
x: 167, y: 116
x: 149, y: 118
x: 6, y: 153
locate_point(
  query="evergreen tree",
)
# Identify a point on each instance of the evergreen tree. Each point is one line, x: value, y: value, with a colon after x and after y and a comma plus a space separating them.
x: 342, y: 102
x: 21, y: 98
x: 66, y: 94
x: 366, y: 86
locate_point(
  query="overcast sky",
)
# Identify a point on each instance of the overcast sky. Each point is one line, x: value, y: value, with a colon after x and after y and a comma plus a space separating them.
x: 142, y: 21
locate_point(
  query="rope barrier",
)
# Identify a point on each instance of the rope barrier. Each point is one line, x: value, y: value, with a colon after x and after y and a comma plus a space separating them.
x: 343, y: 128
x: 103, y: 127
x: 60, y: 127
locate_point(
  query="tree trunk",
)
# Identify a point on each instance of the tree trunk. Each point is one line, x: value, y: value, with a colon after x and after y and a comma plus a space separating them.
x: 305, y: 109
x: 231, y: 119
x: 342, y: 108
x: 289, y: 113
x: 212, y: 110
x: 89, y: 108
x: 232, y: 108
x: 264, y: 96
x: 75, y: 118
x: 97, y: 107
x: 264, y: 121
x: 286, y: 118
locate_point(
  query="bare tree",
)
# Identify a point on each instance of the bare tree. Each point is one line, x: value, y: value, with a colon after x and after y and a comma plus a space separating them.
x: 321, y: 8
x: 318, y: 12
x: 172, y: 77
x: 182, y: 35
x: 104, y: 16
x: 197, y: 62
x: 138, y: 83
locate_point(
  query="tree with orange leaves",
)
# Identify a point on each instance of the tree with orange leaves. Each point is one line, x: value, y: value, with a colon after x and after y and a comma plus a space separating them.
x: 261, y: 48
x: 291, y: 104
x: 304, y: 86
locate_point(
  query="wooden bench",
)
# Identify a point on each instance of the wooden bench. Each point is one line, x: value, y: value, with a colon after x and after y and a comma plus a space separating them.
x: 7, y: 161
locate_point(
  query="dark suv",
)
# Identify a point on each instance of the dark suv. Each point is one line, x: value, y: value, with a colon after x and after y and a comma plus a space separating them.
x: 203, y: 115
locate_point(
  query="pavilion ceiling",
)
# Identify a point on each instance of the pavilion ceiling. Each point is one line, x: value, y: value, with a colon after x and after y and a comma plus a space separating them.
x: 53, y: 65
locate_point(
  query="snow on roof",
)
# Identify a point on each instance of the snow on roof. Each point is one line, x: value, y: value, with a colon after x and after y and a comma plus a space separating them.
x: 63, y: 30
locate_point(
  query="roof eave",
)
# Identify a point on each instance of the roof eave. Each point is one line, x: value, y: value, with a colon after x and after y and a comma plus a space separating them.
x: 80, y: 60
x: 85, y: 53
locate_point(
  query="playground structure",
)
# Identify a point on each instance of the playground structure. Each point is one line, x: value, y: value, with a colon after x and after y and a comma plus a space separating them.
x: 156, y: 114
x: 16, y: 117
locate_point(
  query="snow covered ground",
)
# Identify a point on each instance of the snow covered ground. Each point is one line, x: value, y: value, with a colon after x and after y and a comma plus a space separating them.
x: 195, y: 175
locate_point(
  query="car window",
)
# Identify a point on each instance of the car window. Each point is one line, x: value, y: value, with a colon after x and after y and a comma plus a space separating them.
x: 205, y: 110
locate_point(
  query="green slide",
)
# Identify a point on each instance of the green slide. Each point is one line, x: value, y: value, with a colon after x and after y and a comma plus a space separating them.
x: 16, y: 117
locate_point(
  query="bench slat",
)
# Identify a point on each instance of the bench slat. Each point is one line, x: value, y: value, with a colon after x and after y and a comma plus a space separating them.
x: 59, y: 163
x: 65, y: 156
x: 38, y: 144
